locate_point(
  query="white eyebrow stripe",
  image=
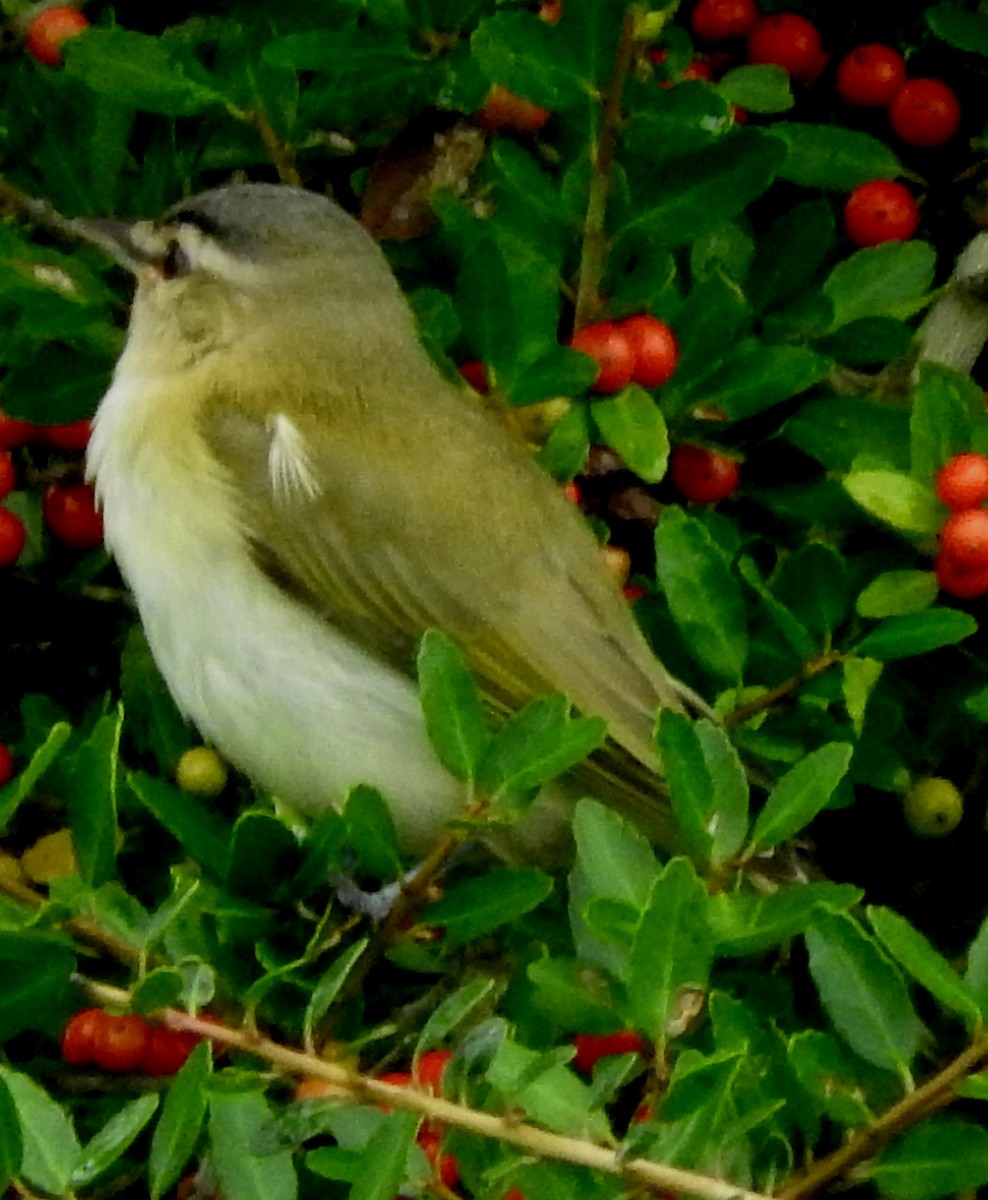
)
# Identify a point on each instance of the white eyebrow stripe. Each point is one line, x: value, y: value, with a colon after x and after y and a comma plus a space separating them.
x: 292, y: 477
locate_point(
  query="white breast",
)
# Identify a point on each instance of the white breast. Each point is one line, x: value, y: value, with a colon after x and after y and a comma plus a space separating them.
x: 296, y: 706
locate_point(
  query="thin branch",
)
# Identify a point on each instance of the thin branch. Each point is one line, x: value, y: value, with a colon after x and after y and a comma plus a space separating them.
x: 769, y: 698
x: 594, y: 250
x: 366, y: 1090
x: 932, y: 1096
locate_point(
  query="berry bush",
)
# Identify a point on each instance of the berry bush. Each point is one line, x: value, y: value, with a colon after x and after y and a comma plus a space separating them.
x: 720, y: 266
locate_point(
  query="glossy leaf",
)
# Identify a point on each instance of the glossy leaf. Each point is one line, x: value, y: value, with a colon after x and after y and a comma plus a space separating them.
x: 799, y: 795
x: 177, y: 1132
x: 632, y: 424
x: 454, y: 715
x: 863, y: 994
x: 917, y: 633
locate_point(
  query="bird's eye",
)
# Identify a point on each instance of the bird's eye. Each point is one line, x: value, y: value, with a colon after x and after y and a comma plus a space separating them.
x: 176, y: 261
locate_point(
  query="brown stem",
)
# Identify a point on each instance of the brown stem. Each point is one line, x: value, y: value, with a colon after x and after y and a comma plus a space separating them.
x: 366, y: 1090
x: 932, y: 1096
x: 594, y: 250
x: 771, y: 697
x: 278, y: 151
x: 84, y: 928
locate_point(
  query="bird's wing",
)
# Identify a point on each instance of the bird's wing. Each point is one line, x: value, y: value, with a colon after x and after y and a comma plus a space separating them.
x: 389, y: 519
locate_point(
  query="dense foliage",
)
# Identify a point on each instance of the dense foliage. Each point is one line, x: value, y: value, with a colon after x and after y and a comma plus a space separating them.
x: 801, y: 992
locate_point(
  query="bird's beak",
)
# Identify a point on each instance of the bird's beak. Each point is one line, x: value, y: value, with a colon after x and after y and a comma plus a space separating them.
x: 122, y: 240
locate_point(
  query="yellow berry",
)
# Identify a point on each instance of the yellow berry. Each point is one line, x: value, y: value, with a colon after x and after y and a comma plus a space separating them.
x: 933, y: 807
x: 201, y: 771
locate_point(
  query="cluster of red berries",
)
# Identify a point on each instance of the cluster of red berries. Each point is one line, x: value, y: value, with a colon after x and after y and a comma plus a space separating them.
x: 640, y: 349
x: 962, y: 564
x: 68, y: 507
x: 125, y: 1043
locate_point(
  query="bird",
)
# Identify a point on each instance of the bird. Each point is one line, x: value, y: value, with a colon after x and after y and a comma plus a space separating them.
x: 295, y: 492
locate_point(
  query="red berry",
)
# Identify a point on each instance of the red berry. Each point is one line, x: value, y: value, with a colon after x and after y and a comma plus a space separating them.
x: 610, y: 347
x: 73, y: 436
x: 703, y: 475
x: 963, y: 482
x: 14, y: 433
x: 475, y: 373
x: 6, y: 764
x: 926, y: 112
x: 789, y: 41
x: 70, y: 513
x: 503, y: 110
x: 551, y: 11
x: 719, y: 20
x: 513, y: 1194
x: 573, y: 493
x: 881, y: 210
x: 8, y: 476
x: 166, y: 1050
x: 427, y: 1070
x: 591, y: 1047
x: 49, y: 29
x: 80, y: 1034
x: 966, y: 585
x: 13, y: 537
x: 446, y: 1166
x: 964, y: 538
x: 314, y: 1089
x: 871, y: 76
x: 655, y: 347
x: 120, y: 1043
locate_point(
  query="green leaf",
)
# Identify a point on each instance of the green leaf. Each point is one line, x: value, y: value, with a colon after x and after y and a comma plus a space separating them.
x: 941, y: 1157
x: 51, y: 1150
x: 451, y: 704
x: 632, y: 424
x: 917, y: 633
x: 568, y: 444
x: 860, y: 677
x: 703, y: 191
x: 60, y: 383
x: 927, y: 966
x: 92, y: 801
x: 177, y: 1132
x: 789, y: 255
x: 976, y: 976
x: 331, y: 981
x: 11, y: 1138
x: 812, y: 582
x: 546, y: 1090
x: 868, y: 342
x: 535, y: 745
x: 23, y: 784
x: 688, y: 780
x: 793, y: 632
x: 761, y: 89
x: 835, y: 430
x: 153, y: 720
x: 371, y: 832
x: 383, y: 1167
x: 947, y: 407
x: 110, y: 1142
x: 474, y: 908
x: 895, y: 593
x: 881, y: 281
x: 200, y: 832
x: 236, y: 1122
x: 965, y: 30
x: 672, y: 950
x: 164, y: 987
x: 616, y: 860
x: 559, y: 372
x: 520, y: 52
x: 704, y: 597
x: 754, y: 377
x: 745, y: 924
x: 262, y: 850
x: 451, y: 1012
x: 729, y: 812
x: 36, y: 969
x: 863, y: 994
x: 896, y: 499
x: 800, y: 794
x: 136, y: 69
x: 679, y: 122
x: 830, y: 156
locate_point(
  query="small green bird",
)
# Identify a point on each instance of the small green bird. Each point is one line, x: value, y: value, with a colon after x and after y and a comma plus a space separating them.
x: 295, y: 493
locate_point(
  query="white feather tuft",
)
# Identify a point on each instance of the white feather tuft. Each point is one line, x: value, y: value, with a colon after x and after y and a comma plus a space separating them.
x: 288, y: 463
